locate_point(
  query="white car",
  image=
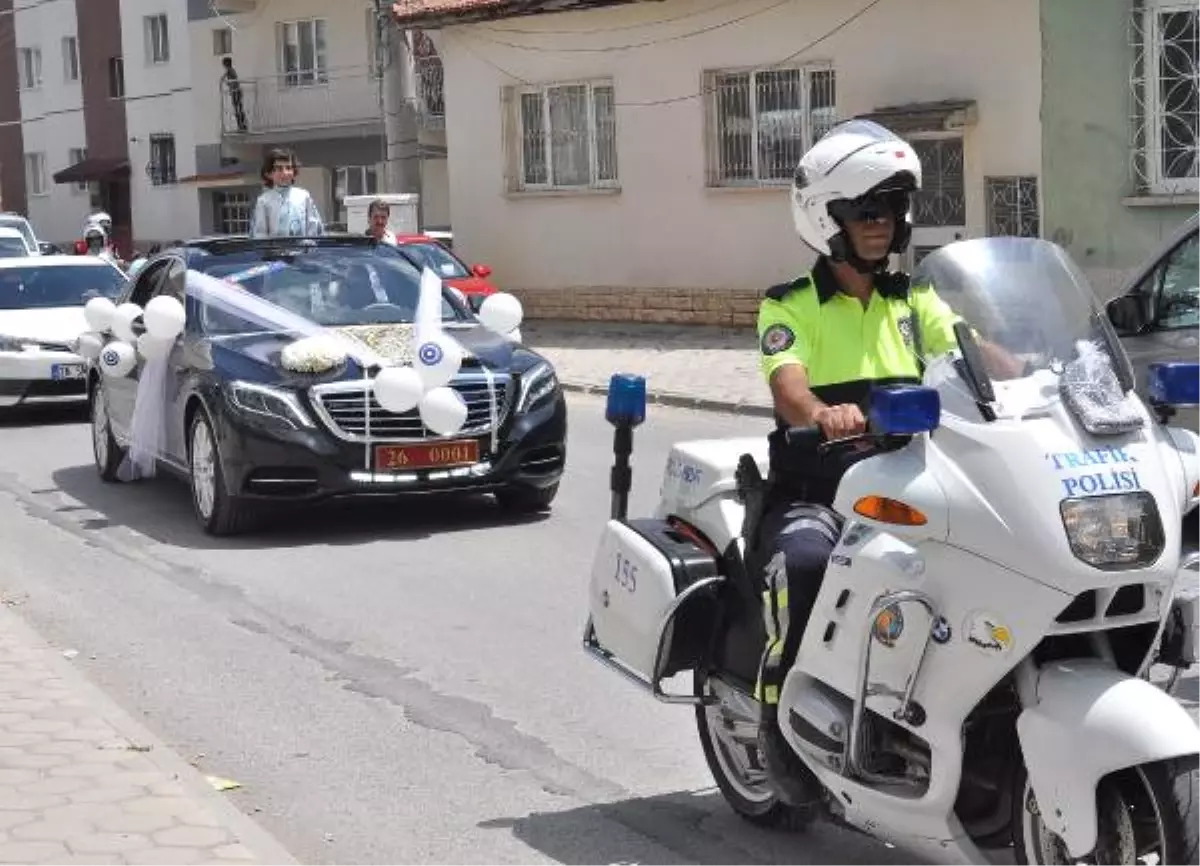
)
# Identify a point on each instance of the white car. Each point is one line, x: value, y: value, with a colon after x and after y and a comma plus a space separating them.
x: 18, y: 222
x: 13, y: 246
x: 41, y: 317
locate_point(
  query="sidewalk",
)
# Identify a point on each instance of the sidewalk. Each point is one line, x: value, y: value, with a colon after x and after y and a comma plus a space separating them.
x: 684, y: 365
x: 82, y: 782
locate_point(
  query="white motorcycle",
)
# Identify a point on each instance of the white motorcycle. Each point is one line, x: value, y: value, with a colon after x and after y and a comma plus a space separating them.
x: 972, y: 677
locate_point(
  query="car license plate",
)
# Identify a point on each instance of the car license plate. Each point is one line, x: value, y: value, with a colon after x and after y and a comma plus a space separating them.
x: 433, y: 455
x: 61, y: 372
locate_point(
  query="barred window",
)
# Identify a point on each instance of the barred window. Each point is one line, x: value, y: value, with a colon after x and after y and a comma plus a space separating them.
x: 1012, y: 206
x: 232, y: 212
x: 762, y: 121
x: 565, y: 136
x: 1166, y: 91
x: 162, y: 160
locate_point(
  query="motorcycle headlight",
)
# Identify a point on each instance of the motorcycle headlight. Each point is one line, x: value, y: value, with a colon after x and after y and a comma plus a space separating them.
x: 1114, y: 533
x: 274, y: 403
x: 536, y: 385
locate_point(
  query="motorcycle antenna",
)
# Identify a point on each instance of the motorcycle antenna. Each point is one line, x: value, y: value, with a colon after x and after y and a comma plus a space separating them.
x: 625, y: 410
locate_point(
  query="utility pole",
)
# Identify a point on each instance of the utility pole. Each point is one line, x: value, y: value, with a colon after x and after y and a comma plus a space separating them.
x: 402, y: 148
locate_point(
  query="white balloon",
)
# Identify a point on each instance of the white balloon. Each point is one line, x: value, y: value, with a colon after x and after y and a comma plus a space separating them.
x: 89, y: 345
x: 151, y: 347
x: 122, y: 322
x: 443, y: 411
x: 118, y: 359
x: 164, y: 317
x: 398, y: 389
x: 501, y: 312
x: 99, y: 313
x: 438, y: 360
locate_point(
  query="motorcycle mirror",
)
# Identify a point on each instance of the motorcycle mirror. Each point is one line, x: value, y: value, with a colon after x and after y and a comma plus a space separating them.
x: 1127, y: 314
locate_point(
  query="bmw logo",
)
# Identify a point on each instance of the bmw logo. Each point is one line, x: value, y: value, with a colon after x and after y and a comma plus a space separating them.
x: 430, y: 354
x: 941, y: 630
x: 111, y: 358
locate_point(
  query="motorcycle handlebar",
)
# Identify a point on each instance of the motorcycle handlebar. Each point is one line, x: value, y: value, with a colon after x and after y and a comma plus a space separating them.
x: 804, y: 436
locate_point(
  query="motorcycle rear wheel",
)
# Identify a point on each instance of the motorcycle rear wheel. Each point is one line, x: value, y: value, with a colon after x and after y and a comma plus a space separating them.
x: 1143, y: 811
x: 737, y: 768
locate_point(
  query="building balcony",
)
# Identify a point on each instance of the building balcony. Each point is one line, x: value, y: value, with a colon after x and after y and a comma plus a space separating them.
x: 321, y: 103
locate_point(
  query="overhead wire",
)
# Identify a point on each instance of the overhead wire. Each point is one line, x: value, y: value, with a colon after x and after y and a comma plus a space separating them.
x: 672, y: 100
x: 616, y: 28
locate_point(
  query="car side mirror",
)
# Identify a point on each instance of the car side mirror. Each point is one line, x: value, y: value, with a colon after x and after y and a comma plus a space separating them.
x: 481, y: 271
x: 46, y: 248
x: 1127, y: 314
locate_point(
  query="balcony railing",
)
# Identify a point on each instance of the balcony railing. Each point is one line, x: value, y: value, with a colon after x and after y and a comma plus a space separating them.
x: 307, y: 99
x: 320, y: 99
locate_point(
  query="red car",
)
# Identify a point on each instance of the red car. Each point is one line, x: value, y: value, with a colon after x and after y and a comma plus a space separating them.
x: 425, y: 251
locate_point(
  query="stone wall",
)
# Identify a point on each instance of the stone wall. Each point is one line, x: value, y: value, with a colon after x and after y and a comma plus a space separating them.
x: 723, y: 307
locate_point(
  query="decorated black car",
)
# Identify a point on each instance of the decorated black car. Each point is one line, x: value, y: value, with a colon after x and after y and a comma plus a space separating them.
x: 275, y: 389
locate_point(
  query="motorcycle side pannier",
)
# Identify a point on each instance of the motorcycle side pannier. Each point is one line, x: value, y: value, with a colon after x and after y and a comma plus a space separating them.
x: 641, y: 571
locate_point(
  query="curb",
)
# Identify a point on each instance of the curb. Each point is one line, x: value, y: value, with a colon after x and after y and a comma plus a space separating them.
x: 683, y: 401
x: 264, y: 847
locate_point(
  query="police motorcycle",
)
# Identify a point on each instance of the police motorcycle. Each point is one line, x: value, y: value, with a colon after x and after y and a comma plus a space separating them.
x: 972, y: 676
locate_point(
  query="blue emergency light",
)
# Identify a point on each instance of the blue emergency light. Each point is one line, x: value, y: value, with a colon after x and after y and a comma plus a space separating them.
x: 626, y: 400
x: 1174, y: 384
x: 904, y: 411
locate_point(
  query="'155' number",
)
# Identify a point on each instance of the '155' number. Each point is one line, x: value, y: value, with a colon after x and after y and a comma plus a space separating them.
x: 626, y: 574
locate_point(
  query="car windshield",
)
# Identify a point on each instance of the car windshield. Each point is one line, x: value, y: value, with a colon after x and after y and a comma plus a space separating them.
x: 22, y: 225
x: 1025, y: 297
x: 328, y: 286
x: 437, y: 258
x: 38, y: 286
x: 12, y: 248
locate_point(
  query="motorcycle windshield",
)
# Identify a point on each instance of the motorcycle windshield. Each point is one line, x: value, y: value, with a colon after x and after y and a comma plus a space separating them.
x: 1033, y: 314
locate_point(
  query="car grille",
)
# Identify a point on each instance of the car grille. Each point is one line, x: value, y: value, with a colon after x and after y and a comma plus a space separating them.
x: 342, y: 407
x: 54, y: 347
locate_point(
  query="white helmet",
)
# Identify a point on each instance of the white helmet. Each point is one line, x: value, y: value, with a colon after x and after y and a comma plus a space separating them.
x: 853, y: 162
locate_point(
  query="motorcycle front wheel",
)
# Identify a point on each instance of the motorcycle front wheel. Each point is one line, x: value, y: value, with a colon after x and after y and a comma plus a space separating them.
x: 1146, y: 814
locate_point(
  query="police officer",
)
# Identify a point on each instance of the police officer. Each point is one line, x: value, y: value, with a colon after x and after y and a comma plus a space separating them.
x: 825, y: 339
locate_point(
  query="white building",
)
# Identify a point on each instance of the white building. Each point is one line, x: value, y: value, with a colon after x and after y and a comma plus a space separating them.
x: 640, y: 155
x: 308, y: 81
x: 48, y: 77
x: 160, y: 118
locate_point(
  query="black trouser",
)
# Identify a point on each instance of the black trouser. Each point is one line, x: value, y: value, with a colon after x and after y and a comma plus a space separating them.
x: 796, y: 539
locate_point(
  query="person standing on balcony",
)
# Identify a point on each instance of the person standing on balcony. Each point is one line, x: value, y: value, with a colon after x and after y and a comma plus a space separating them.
x: 230, y: 80
x: 283, y: 209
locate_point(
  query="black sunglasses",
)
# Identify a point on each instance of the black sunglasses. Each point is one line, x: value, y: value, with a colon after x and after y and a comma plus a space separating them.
x: 871, y: 207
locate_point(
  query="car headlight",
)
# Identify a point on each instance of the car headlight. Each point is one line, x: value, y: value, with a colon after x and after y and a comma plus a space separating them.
x: 274, y: 403
x: 11, y: 344
x: 1114, y: 533
x: 538, y: 383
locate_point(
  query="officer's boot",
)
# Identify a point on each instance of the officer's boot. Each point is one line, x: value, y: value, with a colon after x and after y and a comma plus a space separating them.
x: 790, y: 778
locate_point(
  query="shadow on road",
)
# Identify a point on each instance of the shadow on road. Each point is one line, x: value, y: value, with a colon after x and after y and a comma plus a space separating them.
x: 45, y: 414
x: 161, y: 509
x: 695, y: 827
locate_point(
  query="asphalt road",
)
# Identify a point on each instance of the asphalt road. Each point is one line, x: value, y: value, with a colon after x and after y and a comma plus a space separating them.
x: 388, y: 683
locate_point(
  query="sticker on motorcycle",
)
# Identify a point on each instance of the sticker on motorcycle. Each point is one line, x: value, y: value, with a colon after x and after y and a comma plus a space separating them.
x: 1105, y: 470
x: 987, y: 633
x: 941, y: 631
x: 625, y: 574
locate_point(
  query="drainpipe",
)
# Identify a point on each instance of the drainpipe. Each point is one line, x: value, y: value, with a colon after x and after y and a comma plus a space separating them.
x: 402, y: 147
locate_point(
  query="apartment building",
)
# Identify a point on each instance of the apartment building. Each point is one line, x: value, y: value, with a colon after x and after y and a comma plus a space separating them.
x: 308, y: 79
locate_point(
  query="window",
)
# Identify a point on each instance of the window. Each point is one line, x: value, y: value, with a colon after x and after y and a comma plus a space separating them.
x: 1167, y: 96
x: 1179, y: 303
x: 222, y: 41
x: 354, y: 180
x: 565, y: 137
x: 162, y: 159
x: 30, y: 68
x: 70, y: 55
x: 116, y: 77
x: 762, y: 121
x: 35, y: 174
x: 1012, y: 206
x: 158, y: 45
x: 232, y: 212
x: 300, y: 52
x: 75, y: 156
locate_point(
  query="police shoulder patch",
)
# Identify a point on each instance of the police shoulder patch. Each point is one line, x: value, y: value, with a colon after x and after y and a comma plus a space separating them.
x: 776, y: 339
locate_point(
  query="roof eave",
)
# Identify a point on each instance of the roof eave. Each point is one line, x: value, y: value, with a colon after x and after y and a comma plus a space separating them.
x: 507, y: 9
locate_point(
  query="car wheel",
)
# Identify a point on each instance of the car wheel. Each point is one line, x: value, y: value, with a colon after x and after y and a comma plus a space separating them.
x: 527, y: 499
x: 218, y: 512
x: 107, y: 452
